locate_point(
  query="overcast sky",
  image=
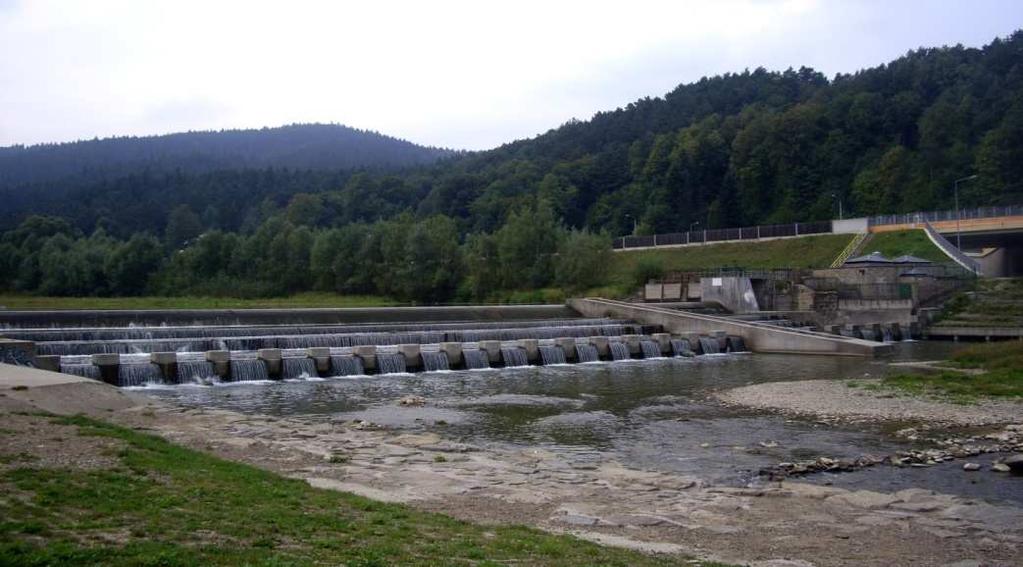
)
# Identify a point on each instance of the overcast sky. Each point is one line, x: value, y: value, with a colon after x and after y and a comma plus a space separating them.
x: 468, y: 75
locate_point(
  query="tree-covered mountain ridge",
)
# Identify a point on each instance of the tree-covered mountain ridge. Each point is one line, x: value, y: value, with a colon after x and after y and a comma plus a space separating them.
x: 295, y: 146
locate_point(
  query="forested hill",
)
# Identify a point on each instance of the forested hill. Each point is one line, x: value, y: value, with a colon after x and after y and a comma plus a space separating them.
x: 760, y: 147
x: 299, y: 146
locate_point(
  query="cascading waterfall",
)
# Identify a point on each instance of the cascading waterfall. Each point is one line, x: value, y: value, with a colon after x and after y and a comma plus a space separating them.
x: 650, y: 349
x: 552, y: 355
x: 681, y: 347
x: 346, y: 365
x: 868, y: 334
x: 709, y: 345
x: 391, y: 363
x: 586, y: 353
x: 84, y: 370
x: 736, y: 344
x: 476, y: 359
x: 191, y: 371
x: 248, y: 370
x: 303, y: 367
x: 138, y: 374
x: 619, y: 351
x: 434, y: 361
x: 886, y: 334
x: 515, y: 356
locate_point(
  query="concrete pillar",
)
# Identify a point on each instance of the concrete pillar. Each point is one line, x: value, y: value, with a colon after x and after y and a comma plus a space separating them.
x: 412, y: 354
x: 49, y: 362
x: 108, y: 364
x: 272, y: 358
x: 632, y: 342
x: 601, y: 344
x: 322, y: 357
x: 221, y: 360
x: 454, y: 352
x: 567, y: 345
x: 897, y: 332
x: 368, y: 354
x: 168, y: 363
x: 493, y: 350
x: 532, y: 348
x: 663, y: 341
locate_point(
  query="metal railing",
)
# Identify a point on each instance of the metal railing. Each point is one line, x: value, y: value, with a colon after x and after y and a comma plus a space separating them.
x: 950, y: 215
x: 722, y: 235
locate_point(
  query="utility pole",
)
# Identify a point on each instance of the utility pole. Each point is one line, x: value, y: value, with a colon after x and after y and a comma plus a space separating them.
x: 838, y: 198
x: 955, y: 186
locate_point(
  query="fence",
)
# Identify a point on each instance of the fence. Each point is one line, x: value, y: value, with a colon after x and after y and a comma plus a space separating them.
x: 723, y: 234
x: 805, y: 228
x: 940, y: 216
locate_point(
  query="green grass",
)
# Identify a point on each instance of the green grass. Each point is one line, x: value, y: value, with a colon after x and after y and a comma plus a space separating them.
x: 167, y: 505
x: 12, y: 301
x: 901, y: 242
x: 806, y: 252
x: 1002, y: 364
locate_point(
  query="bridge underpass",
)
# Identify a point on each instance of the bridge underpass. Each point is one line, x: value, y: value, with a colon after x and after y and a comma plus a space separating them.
x: 995, y: 242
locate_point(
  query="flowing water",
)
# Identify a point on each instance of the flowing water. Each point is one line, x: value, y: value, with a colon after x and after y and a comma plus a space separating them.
x: 476, y: 359
x: 552, y: 355
x: 303, y: 367
x: 390, y: 363
x: 650, y: 414
x: 650, y: 349
x: 434, y: 361
x: 515, y: 356
x: 586, y: 353
x: 346, y: 366
x: 194, y: 371
x: 619, y: 351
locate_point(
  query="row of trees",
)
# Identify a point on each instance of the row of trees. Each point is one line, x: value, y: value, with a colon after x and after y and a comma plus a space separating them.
x: 423, y: 260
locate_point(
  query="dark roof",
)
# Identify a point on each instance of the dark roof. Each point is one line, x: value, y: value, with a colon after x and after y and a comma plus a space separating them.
x: 872, y: 258
x: 909, y: 259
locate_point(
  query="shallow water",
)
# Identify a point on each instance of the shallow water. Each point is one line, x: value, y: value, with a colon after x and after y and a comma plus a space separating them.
x: 652, y: 414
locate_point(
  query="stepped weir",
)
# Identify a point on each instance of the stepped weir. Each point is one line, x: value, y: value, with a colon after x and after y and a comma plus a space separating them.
x: 244, y: 350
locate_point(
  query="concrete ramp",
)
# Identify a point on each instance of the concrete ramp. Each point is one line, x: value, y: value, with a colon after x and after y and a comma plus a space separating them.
x: 759, y: 338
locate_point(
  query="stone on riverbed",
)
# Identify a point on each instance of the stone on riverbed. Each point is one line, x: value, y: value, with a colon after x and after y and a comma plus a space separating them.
x: 971, y: 467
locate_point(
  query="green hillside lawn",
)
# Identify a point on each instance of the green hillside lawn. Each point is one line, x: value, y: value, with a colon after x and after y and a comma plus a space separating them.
x: 898, y: 243
x: 805, y: 252
x: 302, y: 300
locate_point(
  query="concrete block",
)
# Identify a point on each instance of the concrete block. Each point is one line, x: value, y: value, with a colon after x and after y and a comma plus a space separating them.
x: 632, y: 341
x: 412, y: 354
x: 601, y: 344
x: 320, y: 355
x: 653, y: 292
x: 672, y: 292
x: 663, y: 341
x: 567, y: 345
x: 49, y: 362
x: 454, y: 352
x: 532, y: 348
x: 493, y: 350
x: 164, y: 358
x: 221, y: 360
x: 272, y: 358
x: 368, y: 354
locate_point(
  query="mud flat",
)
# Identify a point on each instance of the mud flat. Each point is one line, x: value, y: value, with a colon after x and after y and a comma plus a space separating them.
x: 838, y: 399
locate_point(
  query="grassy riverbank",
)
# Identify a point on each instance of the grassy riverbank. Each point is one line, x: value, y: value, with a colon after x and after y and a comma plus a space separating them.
x: 1002, y: 374
x: 102, y: 494
x: 901, y: 242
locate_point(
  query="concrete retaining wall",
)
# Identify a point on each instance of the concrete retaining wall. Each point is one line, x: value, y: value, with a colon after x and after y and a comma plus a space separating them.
x: 758, y: 338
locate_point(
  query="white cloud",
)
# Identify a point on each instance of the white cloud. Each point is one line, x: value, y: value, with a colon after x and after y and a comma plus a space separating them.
x: 456, y: 73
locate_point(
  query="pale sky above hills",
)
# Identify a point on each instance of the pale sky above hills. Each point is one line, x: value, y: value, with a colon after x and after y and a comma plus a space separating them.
x: 467, y: 75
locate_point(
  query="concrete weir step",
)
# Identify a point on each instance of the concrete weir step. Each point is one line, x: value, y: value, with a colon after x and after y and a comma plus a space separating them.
x: 758, y: 338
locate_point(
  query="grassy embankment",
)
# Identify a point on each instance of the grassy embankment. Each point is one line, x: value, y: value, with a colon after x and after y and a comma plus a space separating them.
x: 1002, y: 374
x: 155, y: 503
x: 993, y: 303
x: 897, y: 243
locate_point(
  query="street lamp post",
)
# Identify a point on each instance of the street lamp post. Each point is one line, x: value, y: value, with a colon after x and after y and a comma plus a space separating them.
x: 690, y: 231
x: 838, y: 198
x: 628, y: 216
x: 955, y: 187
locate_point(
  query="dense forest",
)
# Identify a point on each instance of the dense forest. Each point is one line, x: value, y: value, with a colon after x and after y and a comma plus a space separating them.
x: 738, y: 149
